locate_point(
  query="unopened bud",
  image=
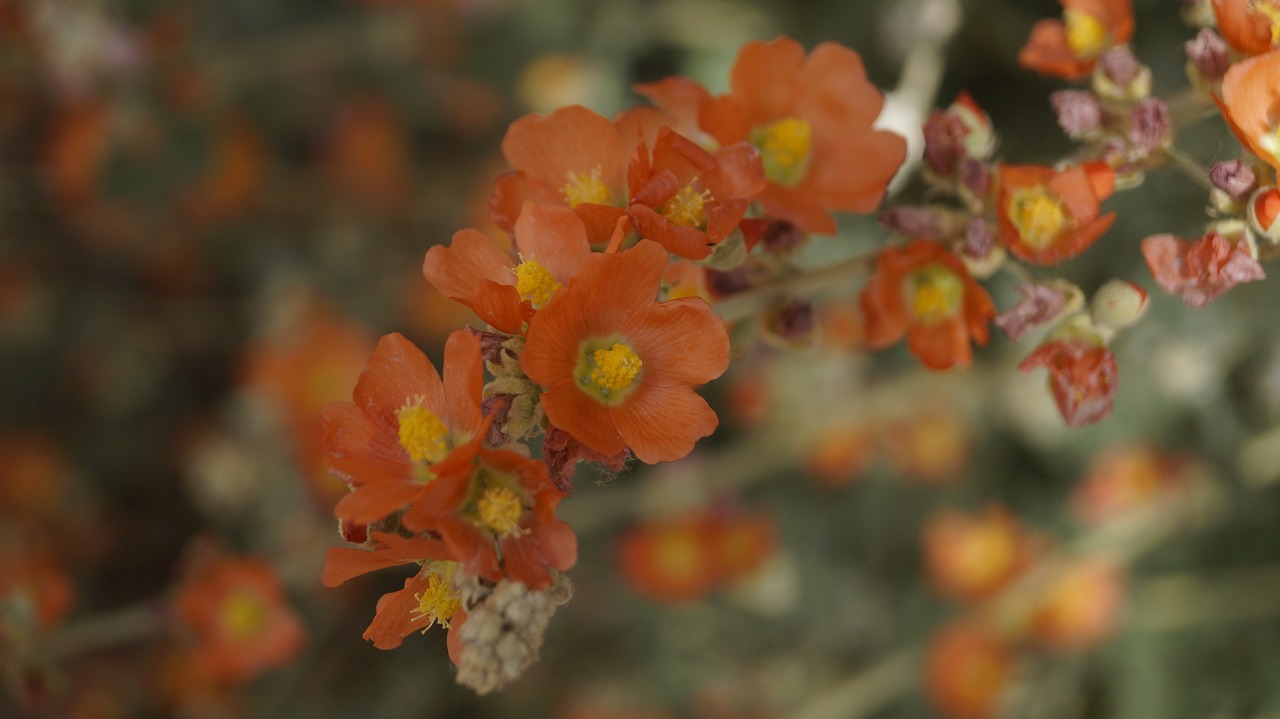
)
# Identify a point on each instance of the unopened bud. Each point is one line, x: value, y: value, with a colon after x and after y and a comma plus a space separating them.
x: 790, y: 324
x: 1118, y: 304
x: 914, y: 221
x: 1150, y: 128
x: 1119, y: 77
x: 1207, y: 58
x: 1079, y: 112
x: 1234, y: 178
x: 1264, y: 214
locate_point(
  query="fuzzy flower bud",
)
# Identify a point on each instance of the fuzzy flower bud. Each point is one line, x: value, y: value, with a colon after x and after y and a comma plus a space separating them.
x: 1118, y: 304
x: 1119, y: 77
x: 1234, y: 178
x: 1150, y: 128
x: 504, y: 629
x: 1207, y: 58
x: 1079, y: 112
x: 1040, y: 305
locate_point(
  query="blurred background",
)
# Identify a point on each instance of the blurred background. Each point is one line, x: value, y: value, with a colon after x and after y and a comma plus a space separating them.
x: 211, y: 210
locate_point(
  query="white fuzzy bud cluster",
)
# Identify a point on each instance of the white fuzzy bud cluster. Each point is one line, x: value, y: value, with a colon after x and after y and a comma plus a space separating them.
x: 504, y: 629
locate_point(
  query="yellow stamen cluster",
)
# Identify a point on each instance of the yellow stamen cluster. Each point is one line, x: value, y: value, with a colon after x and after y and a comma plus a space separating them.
x: 438, y: 602
x: 422, y: 434
x: 616, y: 367
x: 500, y: 510
x: 784, y: 149
x: 687, y: 207
x: 1038, y: 216
x: 935, y: 294
x: 243, y: 615
x: 585, y: 188
x: 535, y: 283
x: 1086, y: 35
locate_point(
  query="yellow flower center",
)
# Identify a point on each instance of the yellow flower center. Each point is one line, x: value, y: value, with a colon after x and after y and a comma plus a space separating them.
x: 1086, y: 35
x: 438, y: 602
x: 422, y: 434
x: 243, y: 615
x: 535, y: 283
x: 500, y: 510
x: 1038, y: 216
x: 616, y: 367
x: 784, y: 149
x: 585, y: 188
x: 935, y: 293
x: 1270, y: 10
x: 687, y: 207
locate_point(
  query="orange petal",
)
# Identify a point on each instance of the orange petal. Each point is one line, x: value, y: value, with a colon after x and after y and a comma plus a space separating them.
x: 360, y: 450
x: 554, y: 236
x: 835, y: 95
x: 1246, y: 31
x: 393, y: 620
x: 1047, y: 52
x: 570, y: 409
x: 397, y: 372
x: 661, y: 424
x: 852, y: 172
x: 940, y: 346
x: 763, y: 79
x: 570, y: 139
x: 343, y: 563
x: 511, y: 191
x: 682, y: 342
x: 473, y: 270
x: 465, y: 374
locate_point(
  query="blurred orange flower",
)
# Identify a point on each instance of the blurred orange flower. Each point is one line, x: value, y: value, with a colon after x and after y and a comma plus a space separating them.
x: 1081, y: 608
x: 237, y: 610
x: 1069, y: 47
x: 967, y: 670
x: 924, y: 292
x: 1047, y: 216
x: 970, y: 558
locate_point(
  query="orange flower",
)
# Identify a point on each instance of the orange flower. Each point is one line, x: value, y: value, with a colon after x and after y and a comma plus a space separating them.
x: 618, y: 366
x: 670, y: 560
x: 811, y: 120
x: 924, y: 292
x: 428, y: 598
x: 1250, y: 27
x: 1250, y: 94
x: 572, y: 157
x: 1081, y: 608
x: 971, y: 558
x: 967, y: 671
x: 499, y: 519
x: 237, y: 609
x: 1123, y: 479
x: 474, y: 271
x: 688, y: 199
x: 1047, y: 216
x: 406, y: 427
x: 1069, y: 47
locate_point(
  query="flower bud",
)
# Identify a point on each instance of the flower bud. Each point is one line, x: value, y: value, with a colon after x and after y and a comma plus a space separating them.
x: 1118, y: 304
x: 1079, y: 112
x: 1207, y: 59
x: 1119, y: 77
x: 1150, y: 128
x: 1234, y: 178
x: 1263, y: 213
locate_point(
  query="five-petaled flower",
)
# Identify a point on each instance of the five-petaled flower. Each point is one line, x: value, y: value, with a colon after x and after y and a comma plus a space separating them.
x: 619, y: 366
x: 924, y: 292
x: 1047, y: 216
x: 407, y: 426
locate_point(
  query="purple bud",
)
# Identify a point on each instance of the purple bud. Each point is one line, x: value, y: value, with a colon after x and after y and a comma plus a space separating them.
x: 913, y: 221
x: 944, y: 135
x: 1234, y: 178
x: 976, y: 176
x: 1208, y: 52
x: 1119, y: 65
x: 1040, y: 304
x: 1079, y: 112
x: 793, y: 322
x: 979, y: 238
x: 1149, y: 125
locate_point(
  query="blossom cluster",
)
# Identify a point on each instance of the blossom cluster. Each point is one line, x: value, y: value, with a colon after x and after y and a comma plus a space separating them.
x: 620, y: 233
